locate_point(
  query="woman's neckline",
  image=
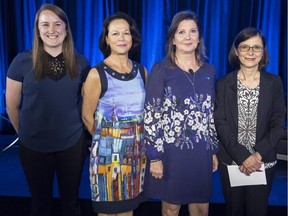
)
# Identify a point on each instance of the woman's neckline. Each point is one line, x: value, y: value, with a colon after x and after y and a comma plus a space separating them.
x: 117, y: 71
x: 121, y: 76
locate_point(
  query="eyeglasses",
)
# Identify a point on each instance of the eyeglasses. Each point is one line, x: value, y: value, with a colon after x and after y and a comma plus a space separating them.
x: 246, y: 48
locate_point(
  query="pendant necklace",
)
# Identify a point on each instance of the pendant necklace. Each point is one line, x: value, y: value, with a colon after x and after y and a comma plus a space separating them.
x: 191, y: 82
x: 194, y: 97
x: 190, y: 70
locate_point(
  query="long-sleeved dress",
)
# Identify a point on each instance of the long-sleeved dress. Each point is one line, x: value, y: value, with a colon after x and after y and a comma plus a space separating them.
x: 180, y: 131
x: 117, y: 160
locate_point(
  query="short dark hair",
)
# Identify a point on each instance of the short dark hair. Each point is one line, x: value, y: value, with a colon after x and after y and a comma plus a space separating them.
x: 136, y: 37
x: 179, y: 17
x: 244, y: 35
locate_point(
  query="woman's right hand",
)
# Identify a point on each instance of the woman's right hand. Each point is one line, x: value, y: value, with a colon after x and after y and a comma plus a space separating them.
x: 250, y: 165
x: 156, y: 169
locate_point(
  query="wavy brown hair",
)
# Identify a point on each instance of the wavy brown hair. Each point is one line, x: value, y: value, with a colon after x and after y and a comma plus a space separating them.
x: 39, y: 57
x: 200, y: 51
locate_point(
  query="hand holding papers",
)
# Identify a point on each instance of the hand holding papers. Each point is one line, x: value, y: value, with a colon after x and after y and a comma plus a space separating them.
x: 238, y: 178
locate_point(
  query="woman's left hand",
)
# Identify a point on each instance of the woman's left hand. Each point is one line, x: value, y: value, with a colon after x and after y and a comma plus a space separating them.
x: 156, y: 169
x: 215, y: 163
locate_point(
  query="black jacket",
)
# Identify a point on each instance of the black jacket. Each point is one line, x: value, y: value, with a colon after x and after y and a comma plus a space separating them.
x: 270, y: 118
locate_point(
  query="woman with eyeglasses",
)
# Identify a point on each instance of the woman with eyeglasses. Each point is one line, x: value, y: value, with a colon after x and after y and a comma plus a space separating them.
x: 249, y: 119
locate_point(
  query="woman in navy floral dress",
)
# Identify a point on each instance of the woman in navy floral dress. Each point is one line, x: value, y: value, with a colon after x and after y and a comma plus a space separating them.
x: 180, y: 138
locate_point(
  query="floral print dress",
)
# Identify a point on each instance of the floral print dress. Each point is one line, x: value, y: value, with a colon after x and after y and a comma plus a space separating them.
x: 179, y: 130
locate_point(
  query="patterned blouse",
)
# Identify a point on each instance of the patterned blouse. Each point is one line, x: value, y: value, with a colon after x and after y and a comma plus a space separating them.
x: 247, y: 117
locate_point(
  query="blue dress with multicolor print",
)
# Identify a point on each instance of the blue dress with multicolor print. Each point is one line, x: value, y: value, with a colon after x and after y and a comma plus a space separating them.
x: 117, y: 161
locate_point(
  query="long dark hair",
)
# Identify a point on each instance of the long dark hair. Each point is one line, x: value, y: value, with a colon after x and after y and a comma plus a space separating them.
x: 200, y: 51
x: 136, y: 37
x: 244, y: 35
x: 39, y: 57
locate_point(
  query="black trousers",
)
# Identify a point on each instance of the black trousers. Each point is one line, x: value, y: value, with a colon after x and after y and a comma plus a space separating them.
x: 246, y: 200
x: 40, y: 169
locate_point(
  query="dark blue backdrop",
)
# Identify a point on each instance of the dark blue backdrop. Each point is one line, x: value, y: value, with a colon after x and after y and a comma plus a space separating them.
x: 221, y: 21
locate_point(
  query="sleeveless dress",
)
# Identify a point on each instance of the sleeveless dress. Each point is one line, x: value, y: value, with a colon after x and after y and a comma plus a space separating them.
x: 117, y: 160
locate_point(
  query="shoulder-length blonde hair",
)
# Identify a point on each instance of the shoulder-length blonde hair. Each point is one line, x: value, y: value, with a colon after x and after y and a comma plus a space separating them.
x: 39, y: 58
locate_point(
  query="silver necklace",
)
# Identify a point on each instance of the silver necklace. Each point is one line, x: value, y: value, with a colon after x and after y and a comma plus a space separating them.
x: 192, y: 83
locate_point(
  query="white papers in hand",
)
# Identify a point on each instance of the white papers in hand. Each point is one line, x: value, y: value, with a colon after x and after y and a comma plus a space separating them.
x: 238, y: 178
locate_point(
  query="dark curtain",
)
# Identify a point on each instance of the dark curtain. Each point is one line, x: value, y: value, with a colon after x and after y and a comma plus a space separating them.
x: 221, y: 21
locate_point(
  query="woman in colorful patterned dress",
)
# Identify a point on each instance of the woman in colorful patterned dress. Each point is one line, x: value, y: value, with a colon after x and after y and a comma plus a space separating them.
x: 113, y: 112
x: 249, y: 118
x: 180, y: 137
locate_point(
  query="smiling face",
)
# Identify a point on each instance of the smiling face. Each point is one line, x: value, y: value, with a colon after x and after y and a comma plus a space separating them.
x: 186, y: 37
x: 253, y: 56
x: 119, y: 37
x: 52, y: 31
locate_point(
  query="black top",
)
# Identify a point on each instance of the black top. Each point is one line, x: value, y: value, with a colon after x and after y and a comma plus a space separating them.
x: 50, y: 117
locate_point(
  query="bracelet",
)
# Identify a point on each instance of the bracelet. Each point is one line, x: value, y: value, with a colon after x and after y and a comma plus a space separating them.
x: 153, y: 161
